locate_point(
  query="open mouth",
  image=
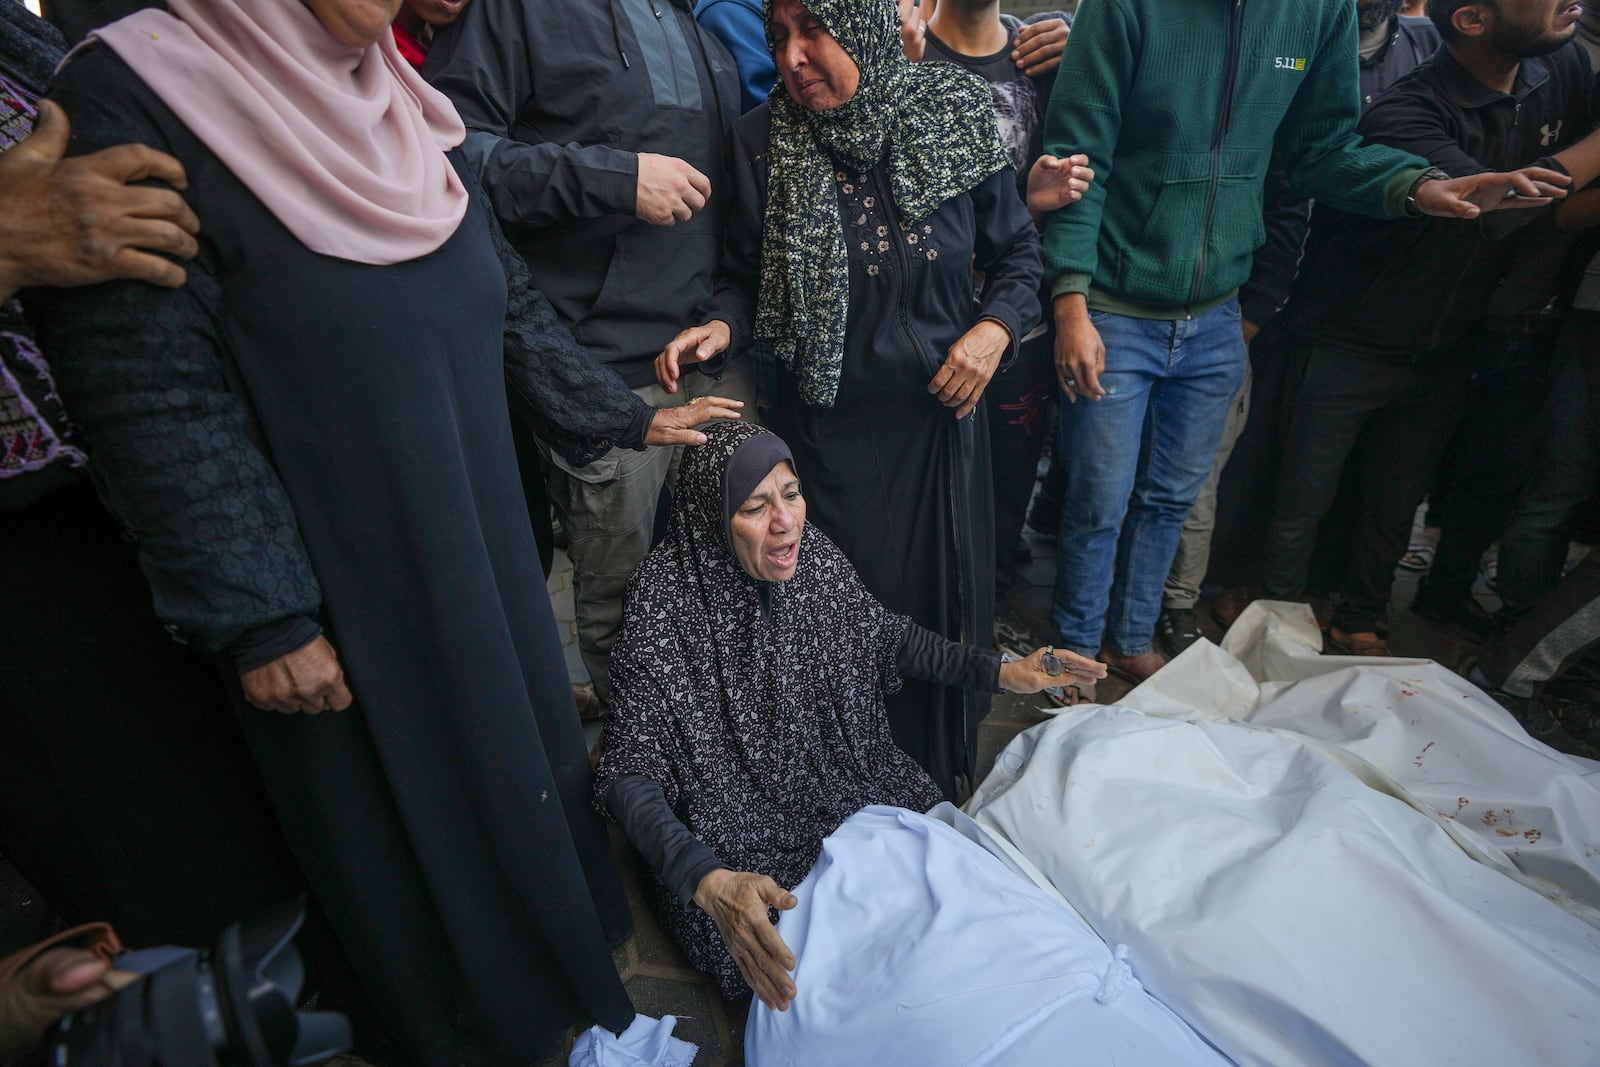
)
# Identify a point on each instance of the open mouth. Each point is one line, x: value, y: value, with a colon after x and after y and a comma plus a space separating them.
x: 1572, y: 12
x: 784, y: 556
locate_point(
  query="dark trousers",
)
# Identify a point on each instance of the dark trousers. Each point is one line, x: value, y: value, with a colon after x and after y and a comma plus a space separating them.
x: 1249, y: 484
x: 1019, y: 400
x: 1566, y: 470
x: 1391, y: 420
x: 1493, y: 455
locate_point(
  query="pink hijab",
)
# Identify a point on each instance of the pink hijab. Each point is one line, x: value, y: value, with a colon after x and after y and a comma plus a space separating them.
x: 346, y: 146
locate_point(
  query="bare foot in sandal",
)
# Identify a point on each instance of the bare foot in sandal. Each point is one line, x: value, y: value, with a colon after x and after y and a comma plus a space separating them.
x: 1360, y: 643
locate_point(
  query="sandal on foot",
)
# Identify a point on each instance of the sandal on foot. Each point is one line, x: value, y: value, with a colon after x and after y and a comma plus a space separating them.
x: 1131, y: 669
x: 1360, y: 643
x: 1418, y: 557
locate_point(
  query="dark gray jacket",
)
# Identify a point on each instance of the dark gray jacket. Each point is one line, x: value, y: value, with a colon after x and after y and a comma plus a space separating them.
x: 560, y: 98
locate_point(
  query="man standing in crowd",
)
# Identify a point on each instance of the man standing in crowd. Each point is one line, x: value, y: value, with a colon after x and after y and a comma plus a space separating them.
x: 597, y: 129
x: 1390, y: 45
x: 1380, y: 359
x: 1147, y: 265
x: 1566, y: 471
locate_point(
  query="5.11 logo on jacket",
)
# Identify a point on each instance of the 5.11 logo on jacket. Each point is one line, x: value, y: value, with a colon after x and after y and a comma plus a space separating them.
x: 1284, y: 63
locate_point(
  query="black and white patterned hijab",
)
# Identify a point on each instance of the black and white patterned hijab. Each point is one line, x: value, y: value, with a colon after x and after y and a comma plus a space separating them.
x: 757, y: 706
x: 703, y: 628
x: 931, y: 125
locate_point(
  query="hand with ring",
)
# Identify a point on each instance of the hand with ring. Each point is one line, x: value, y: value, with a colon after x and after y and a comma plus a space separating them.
x: 676, y: 426
x: 1048, y: 667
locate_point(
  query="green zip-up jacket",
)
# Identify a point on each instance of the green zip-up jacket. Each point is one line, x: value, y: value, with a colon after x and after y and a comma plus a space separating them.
x: 1178, y: 105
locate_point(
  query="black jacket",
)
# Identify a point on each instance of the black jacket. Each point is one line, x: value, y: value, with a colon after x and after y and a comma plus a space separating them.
x: 1288, y: 215
x: 559, y: 98
x: 1407, y: 288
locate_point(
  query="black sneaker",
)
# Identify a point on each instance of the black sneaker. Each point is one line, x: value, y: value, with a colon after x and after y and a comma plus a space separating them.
x: 1460, y: 611
x: 1179, y: 628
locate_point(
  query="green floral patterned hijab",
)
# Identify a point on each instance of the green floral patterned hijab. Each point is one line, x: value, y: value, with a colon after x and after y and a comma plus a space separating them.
x: 931, y: 125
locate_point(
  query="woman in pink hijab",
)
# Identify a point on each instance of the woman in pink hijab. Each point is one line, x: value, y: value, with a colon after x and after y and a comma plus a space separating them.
x: 310, y: 441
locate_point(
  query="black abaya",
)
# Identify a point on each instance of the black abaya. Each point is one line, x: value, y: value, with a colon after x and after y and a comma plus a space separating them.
x: 443, y: 819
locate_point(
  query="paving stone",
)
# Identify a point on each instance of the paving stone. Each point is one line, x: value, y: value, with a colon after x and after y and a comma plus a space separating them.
x: 565, y: 610
x: 690, y: 1001
x: 575, y: 664
x: 654, y: 948
x: 622, y: 957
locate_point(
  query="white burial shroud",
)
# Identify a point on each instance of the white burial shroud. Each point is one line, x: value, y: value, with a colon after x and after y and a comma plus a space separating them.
x: 1324, y: 860
x: 919, y: 947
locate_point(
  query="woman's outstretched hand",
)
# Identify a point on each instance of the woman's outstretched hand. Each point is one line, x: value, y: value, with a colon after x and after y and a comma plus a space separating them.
x: 676, y: 426
x: 737, y: 902
x: 1031, y: 676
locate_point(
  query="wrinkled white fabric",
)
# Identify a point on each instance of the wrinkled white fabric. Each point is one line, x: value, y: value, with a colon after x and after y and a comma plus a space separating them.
x: 1411, y: 728
x: 646, y: 1042
x: 916, y: 945
x: 1274, y: 846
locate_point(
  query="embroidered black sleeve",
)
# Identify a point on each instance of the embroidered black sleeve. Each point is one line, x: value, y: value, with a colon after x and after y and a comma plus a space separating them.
x: 170, y: 448
x: 576, y: 404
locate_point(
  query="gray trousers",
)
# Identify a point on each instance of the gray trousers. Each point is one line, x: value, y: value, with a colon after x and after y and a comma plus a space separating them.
x: 1194, y: 547
x: 608, y: 509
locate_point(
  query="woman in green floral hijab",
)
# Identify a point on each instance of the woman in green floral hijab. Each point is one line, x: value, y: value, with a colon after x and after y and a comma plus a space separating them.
x: 933, y: 127
x: 878, y: 248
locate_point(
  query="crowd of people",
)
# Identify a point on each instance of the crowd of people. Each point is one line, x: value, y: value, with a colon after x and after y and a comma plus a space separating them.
x: 325, y: 319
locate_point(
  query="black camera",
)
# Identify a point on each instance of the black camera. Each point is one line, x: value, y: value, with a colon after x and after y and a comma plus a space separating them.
x: 234, y: 1006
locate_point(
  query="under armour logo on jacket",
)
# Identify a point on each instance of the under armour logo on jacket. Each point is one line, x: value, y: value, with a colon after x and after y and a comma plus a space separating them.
x: 1550, y: 135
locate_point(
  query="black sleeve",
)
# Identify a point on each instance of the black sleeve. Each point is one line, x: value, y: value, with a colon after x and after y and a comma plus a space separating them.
x: 263, y: 644
x: 739, y: 273
x: 142, y: 370
x: 485, y: 64
x: 927, y: 657
x: 1006, y: 251
x: 679, y: 858
x: 1277, y: 261
x: 576, y: 404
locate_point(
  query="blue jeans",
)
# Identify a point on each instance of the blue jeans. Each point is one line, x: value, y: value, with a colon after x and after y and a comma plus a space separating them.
x: 1136, y: 459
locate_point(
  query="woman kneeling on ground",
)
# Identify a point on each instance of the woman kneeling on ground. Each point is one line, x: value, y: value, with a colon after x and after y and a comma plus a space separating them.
x: 749, y: 720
